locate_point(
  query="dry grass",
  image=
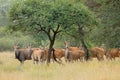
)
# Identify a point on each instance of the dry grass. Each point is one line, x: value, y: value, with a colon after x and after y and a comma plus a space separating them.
x: 92, y: 70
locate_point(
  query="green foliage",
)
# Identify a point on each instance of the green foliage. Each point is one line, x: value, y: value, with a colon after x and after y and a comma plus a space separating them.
x: 4, y: 7
x: 110, y: 28
x: 7, y: 41
x: 29, y: 16
x: 33, y: 15
x: 109, y: 31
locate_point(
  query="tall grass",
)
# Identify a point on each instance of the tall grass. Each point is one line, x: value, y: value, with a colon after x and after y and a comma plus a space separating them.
x: 92, y: 70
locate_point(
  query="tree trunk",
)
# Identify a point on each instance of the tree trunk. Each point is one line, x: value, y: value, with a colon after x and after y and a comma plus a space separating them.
x: 81, y: 34
x: 85, y: 49
x: 52, y: 40
x: 50, y: 52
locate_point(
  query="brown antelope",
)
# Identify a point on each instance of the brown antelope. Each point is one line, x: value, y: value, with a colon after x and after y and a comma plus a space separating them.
x: 73, y: 53
x: 38, y: 55
x: 112, y: 53
x: 59, y: 53
x: 97, y: 52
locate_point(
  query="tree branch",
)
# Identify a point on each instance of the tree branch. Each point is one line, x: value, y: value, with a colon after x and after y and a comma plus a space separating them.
x: 46, y: 31
x: 57, y: 29
x: 48, y: 34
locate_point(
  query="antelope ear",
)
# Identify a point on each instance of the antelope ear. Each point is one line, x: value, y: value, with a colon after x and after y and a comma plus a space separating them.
x: 66, y: 42
x: 16, y: 46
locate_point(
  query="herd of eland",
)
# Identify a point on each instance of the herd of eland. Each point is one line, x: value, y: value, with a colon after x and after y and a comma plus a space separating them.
x: 69, y: 53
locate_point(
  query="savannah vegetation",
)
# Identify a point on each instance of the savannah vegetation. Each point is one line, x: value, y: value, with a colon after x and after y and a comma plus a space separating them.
x: 89, y: 23
x: 102, y: 28
x: 92, y: 70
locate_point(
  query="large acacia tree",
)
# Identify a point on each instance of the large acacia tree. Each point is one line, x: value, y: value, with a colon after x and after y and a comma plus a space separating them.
x: 51, y: 17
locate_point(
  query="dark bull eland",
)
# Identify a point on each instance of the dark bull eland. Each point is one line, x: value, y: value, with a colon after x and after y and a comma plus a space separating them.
x: 22, y: 54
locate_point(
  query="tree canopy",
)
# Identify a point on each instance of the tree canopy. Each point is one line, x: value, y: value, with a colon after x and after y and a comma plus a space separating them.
x: 33, y: 14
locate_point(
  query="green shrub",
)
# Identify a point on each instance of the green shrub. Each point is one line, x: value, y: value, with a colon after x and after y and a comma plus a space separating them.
x: 8, y: 40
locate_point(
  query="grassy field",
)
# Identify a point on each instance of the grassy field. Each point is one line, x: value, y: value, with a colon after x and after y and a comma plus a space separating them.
x: 92, y: 70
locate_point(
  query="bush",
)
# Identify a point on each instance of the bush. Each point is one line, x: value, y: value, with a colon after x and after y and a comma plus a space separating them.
x: 8, y: 40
